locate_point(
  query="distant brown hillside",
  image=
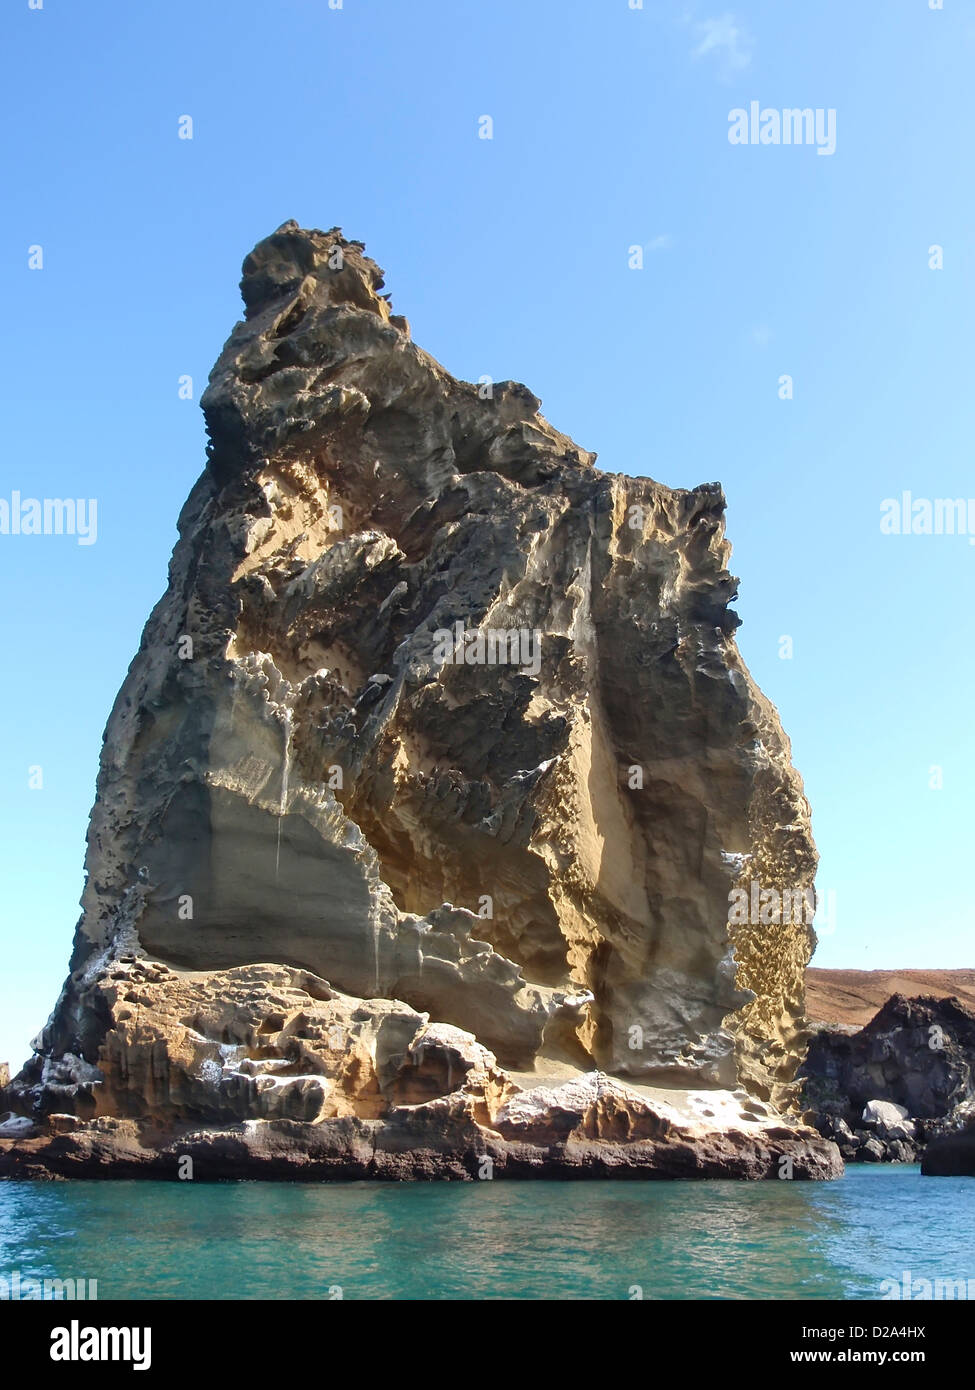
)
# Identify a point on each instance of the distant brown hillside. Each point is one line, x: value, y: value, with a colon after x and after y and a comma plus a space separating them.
x: 854, y: 996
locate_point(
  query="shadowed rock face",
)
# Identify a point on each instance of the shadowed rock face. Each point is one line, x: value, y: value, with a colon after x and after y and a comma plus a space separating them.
x: 527, y: 832
x: 915, y: 1056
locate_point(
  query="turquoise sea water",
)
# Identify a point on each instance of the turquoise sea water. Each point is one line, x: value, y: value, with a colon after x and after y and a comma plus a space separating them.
x: 532, y: 1240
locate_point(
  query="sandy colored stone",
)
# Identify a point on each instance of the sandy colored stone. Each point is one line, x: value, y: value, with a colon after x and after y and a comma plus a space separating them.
x: 334, y: 882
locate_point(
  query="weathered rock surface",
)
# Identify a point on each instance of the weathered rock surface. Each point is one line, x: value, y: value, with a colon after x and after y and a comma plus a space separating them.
x: 882, y: 1091
x: 893, y: 1121
x: 268, y: 1071
x: 362, y: 900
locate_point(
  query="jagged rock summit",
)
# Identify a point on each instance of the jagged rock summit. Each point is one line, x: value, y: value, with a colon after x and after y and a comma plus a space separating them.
x: 420, y: 806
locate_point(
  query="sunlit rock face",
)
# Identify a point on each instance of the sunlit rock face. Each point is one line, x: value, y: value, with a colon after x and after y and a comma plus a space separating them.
x: 436, y: 715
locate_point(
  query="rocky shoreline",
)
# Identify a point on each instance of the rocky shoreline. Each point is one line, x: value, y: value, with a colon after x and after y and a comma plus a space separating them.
x: 900, y: 1088
x: 342, y: 1089
x: 355, y: 1150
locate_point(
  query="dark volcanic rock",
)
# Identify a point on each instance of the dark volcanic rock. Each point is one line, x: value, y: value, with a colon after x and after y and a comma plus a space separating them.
x: 918, y: 1054
x: 950, y: 1155
x: 442, y: 1142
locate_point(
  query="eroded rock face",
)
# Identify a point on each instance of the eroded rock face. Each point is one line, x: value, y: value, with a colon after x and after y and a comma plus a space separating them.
x: 917, y: 1053
x: 437, y: 763
x: 897, y: 1083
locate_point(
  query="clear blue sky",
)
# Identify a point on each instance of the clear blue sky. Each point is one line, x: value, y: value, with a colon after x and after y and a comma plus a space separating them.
x: 509, y: 257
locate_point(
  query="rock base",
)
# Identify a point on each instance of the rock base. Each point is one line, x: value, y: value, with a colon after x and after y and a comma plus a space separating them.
x: 950, y: 1156
x: 404, y: 1150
